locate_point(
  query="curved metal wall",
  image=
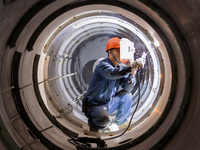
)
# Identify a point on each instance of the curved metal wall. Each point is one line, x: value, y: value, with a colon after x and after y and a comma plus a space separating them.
x: 27, y: 123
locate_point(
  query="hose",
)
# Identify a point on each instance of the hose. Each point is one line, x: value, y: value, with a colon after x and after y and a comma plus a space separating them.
x: 133, y: 111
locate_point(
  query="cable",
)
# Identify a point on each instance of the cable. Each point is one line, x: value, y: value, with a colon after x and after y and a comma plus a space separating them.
x: 73, y: 140
x: 133, y: 112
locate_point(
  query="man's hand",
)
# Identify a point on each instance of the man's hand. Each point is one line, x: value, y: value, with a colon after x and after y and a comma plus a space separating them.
x: 138, y: 63
x: 134, y: 67
x: 141, y: 61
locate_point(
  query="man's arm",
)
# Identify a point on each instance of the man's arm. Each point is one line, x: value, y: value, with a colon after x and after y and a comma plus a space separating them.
x: 110, y: 72
x: 128, y: 82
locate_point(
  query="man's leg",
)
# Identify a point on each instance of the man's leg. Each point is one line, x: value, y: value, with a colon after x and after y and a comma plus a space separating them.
x: 122, y: 103
x: 98, y: 117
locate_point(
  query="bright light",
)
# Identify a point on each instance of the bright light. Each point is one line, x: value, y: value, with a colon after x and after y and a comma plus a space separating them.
x: 156, y: 43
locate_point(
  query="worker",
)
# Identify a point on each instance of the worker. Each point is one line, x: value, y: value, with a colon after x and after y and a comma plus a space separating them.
x: 110, y: 89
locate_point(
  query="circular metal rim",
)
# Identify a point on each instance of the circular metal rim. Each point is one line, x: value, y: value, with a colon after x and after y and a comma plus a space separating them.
x: 180, y: 59
x: 98, y: 6
x: 71, y: 85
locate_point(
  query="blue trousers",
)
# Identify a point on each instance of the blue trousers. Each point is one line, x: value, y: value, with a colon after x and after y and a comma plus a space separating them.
x: 99, y: 116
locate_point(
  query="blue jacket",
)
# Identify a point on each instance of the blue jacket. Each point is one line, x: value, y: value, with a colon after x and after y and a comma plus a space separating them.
x: 107, y: 80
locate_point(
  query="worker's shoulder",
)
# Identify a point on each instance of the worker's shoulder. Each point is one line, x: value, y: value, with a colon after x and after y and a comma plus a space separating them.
x: 104, y: 61
x: 105, y: 64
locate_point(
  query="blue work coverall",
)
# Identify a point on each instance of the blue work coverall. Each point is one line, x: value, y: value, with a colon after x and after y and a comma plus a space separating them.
x: 109, y: 90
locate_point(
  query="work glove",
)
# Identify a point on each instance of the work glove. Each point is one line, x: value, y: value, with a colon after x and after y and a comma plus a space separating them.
x: 138, y: 63
x: 134, y: 67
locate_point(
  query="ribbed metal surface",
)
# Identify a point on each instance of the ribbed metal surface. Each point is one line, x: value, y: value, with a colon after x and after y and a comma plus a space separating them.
x: 63, y: 35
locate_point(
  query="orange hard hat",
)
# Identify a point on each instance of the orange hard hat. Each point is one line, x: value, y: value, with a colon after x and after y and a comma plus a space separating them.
x: 113, y: 43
